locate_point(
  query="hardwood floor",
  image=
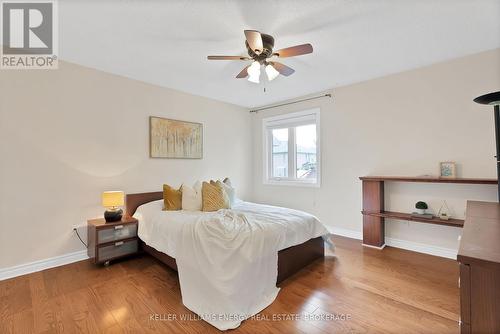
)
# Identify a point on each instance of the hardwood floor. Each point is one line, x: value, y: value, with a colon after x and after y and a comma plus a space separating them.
x: 389, y: 291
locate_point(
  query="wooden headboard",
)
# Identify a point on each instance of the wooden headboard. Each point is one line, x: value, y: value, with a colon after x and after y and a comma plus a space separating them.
x: 132, y: 201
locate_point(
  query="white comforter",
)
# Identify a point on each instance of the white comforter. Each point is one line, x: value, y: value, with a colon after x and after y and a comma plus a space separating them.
x: 227, y: 260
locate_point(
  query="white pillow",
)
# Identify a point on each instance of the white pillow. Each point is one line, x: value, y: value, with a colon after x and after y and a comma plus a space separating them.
x: 230, y: 191
x: 191, y: 197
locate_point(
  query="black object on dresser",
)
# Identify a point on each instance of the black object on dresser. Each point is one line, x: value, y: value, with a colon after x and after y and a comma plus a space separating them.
x: 109, y: 241
x: 479, y: 258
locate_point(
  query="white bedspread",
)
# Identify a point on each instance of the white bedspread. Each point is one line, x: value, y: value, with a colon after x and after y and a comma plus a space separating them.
x: 227, y: 260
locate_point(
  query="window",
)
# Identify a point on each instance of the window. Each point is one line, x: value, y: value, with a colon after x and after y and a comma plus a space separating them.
x: 292, y: 151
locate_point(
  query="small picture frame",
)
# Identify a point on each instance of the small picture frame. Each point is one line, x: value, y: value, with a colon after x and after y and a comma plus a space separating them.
x: 448, y: 169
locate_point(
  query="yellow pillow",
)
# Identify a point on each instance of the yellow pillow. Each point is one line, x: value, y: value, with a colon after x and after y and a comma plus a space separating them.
x: 214, y: 197
x: 172, y: 198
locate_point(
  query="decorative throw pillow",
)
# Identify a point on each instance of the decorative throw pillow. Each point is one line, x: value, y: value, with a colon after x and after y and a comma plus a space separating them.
x: 227, y: 181
x: 191, y: 197
x: 214, y: 197
x: 230, y: 191
x: 172, y: 198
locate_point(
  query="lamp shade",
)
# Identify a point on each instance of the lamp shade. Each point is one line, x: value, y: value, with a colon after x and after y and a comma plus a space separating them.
x: 254, y: 72
x: 112, y: 199
x: 271, y: 72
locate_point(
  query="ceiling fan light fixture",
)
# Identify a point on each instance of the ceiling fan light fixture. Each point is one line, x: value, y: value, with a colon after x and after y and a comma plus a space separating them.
x: 260, y: 50
x: 271, y: 72
x: 254, y: 72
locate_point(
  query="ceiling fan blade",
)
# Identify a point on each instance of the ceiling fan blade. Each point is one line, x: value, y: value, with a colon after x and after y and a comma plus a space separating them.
x: 296, y: 50
x: 243, y: 73
x: 254, y: 40
x: 283, y: 69
x: 227, y: 58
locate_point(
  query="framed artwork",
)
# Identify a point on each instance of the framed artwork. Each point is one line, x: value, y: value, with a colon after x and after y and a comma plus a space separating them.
x: 170, y: 138
x: 448, y: 169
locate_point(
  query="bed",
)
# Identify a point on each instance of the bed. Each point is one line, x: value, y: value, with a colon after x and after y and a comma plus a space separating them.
x: 230, y: 262
x: 290, y: 260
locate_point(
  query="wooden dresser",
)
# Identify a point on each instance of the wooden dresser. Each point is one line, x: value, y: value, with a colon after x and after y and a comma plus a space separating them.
x: 479, y: 258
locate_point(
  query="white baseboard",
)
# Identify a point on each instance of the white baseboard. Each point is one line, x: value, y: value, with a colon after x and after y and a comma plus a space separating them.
x: 346, y: 232
x: 399, y: 243
x: 376, y: 247
x: 40, y: 265
x: 422, y: 248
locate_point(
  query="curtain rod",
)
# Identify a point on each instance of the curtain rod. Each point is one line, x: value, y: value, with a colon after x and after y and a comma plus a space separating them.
x: 293, y: 102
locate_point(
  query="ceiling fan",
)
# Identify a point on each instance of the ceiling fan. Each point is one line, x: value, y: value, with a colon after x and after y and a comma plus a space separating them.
x: 260, y: 50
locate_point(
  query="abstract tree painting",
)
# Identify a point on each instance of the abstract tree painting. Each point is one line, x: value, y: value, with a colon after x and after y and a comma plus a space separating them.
x: 170, y: 138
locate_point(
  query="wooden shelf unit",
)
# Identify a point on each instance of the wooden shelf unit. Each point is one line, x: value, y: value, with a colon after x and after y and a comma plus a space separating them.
x: 408, y: 216
x: 428, y: 179
x: 374, y: 213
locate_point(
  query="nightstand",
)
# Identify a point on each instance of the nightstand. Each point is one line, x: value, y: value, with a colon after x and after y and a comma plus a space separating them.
x: 110, y: 241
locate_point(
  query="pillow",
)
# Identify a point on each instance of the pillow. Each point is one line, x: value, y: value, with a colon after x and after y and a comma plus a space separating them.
x: 227, y: 181
x: 172, y: 198
x: 191, y: 197
x: 230, y: 191
x: 214, y: 197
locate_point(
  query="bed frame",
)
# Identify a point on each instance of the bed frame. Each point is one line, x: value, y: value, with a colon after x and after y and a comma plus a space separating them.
x: 290, y: 260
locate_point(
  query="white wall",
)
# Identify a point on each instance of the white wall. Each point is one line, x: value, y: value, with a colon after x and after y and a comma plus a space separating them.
x: 69, y: 134
x: 403, y: 124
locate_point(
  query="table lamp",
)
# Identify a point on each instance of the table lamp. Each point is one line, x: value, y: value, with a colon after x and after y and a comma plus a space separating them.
x: 493, y: 99
x: 111, y: 200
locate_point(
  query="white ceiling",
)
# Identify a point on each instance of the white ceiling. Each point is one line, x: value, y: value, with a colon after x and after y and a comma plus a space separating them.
x: 166, y: 42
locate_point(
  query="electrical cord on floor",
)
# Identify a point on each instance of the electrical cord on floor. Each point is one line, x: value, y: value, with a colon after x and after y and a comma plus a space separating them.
x: 78, y: 235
